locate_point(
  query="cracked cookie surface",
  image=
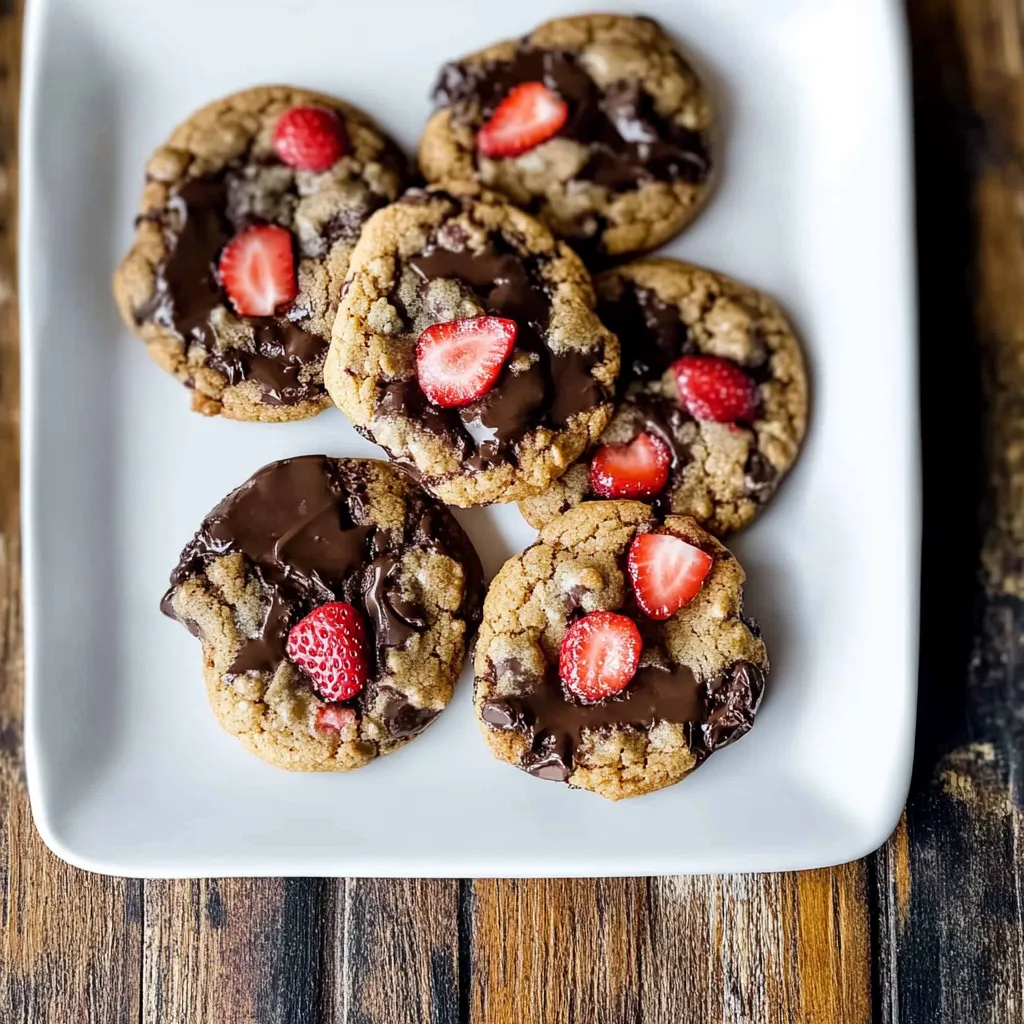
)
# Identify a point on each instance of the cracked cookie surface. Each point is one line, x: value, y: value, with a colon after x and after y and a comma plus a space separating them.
x: 631, y: 165
x: 700, y: 678
x: 722, y: 474
x: 304, y: 532
x: 437, y: 256
x: 216, y: 175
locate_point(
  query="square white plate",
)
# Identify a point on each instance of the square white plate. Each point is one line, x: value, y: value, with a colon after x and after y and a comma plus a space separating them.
x: 128, y: 771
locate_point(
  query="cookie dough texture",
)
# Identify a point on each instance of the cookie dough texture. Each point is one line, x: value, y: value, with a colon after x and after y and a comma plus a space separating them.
x: 399, y: 557
x: 576, y: 567
x: 227, y: 145
x: 554, y: 396
x: 722, y: 474
x: 641, y: 95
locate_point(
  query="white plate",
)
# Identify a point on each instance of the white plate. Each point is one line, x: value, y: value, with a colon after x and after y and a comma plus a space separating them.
x: 128, y: 771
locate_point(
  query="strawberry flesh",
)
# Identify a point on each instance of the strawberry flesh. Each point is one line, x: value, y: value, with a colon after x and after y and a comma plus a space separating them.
x: 529, y: 115
x: 257, y: 270
x: 599, y: 655
x: 332, y: 718
x: 666, y: 573
x: 458, y: 361
x: 329, y: 645
x: 635, y: 470
x: 715, y: 389
x: 309, y: 138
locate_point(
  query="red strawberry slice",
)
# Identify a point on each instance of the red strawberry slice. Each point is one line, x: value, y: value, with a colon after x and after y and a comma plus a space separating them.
x: 459, y: 360
x: 309, y: 138
x: 715, y: 389
x: 666, y: 573
x: 529, y: 115
x: 329, y: 645
x: 331, y: 718
x: 635, y: 470
x: 599, y: 655
x: 257, y: 269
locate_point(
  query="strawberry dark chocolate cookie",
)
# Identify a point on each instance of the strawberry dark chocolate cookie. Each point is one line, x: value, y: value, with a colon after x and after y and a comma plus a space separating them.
x: 248, y: 217
x: 334, y: 600
x: 712, y: 399
x: 614, y: 654
x: 467, y: 346
x: 596, y: 124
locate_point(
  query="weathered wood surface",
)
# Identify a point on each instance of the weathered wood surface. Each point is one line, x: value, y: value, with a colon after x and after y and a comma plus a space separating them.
x: 927, y: 930
x: 951, y: 945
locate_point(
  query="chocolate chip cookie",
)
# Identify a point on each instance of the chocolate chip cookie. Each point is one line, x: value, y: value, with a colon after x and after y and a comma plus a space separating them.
x: 712, y: 399
x: 614, y: 654
x: 334, y: 600
x: 248, y: 217
x: 467, y: 346
x: 596, y: 124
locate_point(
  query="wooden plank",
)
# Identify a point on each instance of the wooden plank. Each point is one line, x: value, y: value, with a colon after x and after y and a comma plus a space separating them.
x: 247, y: 951
x: 557, y: 951
x: 70, y: 941
x: 949, y: 881
x: 776, y: 949
x: 789, y: 948
x: 399, y: 958
x: 301, y: 951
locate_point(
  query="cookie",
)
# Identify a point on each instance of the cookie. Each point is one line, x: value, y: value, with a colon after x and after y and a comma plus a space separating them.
x: 698, y: 678
x: 718, y: 470
x: 250, y: 338
x: 299, y: 537
x: 439, y: 285
x: 595, y: 124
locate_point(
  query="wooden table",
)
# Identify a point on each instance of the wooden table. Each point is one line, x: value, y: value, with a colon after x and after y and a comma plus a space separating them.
x: 928, y: 929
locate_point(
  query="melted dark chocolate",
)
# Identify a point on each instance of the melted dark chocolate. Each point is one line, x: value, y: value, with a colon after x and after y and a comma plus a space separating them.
x: 715, y: 713
x: 651, y: 333
x: 630, y: 143
x: 295, y: 521
x: 197, y: 226
x: 652, y: 336
x: 555, y: 387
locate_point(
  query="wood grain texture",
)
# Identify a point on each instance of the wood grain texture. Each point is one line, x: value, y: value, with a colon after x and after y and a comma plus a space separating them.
x: 948, y: 884
x: 566, y: 951
x: 398, y: 962
x: 241, y: 950
x: 773, y: 948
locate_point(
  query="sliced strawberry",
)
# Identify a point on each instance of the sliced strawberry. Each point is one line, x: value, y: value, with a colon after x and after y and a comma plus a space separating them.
x: 529, y: 115
x: 257, y: 269
x: 309, y: 138
x: 715, y: 389
x: 666, y: 573
x: 635, y: 470
x: 332, y: 718
x: 599, y: 655
x: 329, y: 645
x: 459, y: 360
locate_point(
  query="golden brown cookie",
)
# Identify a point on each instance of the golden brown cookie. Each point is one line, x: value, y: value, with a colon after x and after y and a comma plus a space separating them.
x: 218, y: 175
x: 437, y: 257
x: 596, y: 124
x: 297, y: 537
x: 721, y: 473
x: 701, y: 671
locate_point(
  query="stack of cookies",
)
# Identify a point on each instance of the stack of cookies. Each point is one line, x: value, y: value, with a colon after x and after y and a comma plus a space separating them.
x: 488, y: 325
